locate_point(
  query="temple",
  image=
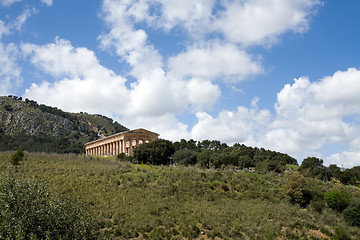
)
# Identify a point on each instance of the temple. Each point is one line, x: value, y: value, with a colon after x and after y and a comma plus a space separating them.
x: 123, y: 142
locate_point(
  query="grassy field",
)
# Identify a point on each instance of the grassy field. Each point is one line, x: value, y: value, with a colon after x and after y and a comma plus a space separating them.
x: 175, y: 202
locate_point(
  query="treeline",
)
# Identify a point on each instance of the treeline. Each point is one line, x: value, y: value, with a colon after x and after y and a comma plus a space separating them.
x: 212, y: 154
x: 313, y: 167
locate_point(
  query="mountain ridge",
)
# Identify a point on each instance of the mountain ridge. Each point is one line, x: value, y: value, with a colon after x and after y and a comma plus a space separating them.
x: 28, y: 125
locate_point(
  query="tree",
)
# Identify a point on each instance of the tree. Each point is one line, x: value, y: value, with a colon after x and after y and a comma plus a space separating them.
x: 313, y: 167
x: 204, y: 157
x: 352, y: 213
x: 156, y: 152
x: 311, y: 163
x: 185, y: 157
x: 337, y: 200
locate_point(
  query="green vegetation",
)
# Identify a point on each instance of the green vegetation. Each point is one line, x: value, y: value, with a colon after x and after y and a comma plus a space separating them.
x: 157, y: 152
x: 142, y: 201
x: 337, y: 200
x: 28, y: 211
x: 352, y: 213
x: 17, y: 157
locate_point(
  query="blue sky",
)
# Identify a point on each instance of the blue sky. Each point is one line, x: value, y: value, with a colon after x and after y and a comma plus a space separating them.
x: 278, y: 74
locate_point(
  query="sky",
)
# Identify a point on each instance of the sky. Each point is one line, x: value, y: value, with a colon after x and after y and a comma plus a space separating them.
x: 279, y: 74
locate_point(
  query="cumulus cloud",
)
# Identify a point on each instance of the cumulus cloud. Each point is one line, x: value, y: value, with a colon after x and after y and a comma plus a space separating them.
x: 10, y: 72
x: 263, y: 21
x: 311, y: 114
x: 85, y: 82
x: 346, y: 159
x: 215, y: 60
x: 242, y: 125
x: 202, y: 94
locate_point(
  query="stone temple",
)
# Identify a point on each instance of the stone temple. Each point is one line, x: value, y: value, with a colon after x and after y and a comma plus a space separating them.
x: 123, y: 142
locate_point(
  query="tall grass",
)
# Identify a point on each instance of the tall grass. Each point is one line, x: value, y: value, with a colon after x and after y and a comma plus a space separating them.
x: 168, y: 202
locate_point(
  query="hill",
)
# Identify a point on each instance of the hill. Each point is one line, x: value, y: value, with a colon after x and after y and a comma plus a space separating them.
x: 28, y: 125
x: 139, y: 201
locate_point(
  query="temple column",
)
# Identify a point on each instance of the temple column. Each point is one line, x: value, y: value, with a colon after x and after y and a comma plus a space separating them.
x: 131, y: 147
x: 122, y: 146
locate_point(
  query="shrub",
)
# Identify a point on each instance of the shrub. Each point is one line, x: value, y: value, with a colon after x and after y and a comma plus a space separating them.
x: 337, y: 200
x: 29, y: 212
x: 297, y: 189
x: 352, y: 213
x: 317, y: 205
x: 341, y: 234
x: 17, y: 157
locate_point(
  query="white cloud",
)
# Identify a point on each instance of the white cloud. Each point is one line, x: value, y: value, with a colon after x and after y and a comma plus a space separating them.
x: 215, y: 60
x: 21, y: 19
x: 346, y: 159
x: 10, y: 72
x: 85, y: 85
x: 308, y: 115
x: 48, y: 2
x: 192, y: 15
x: 263, y: 21
x: 85, y: 82
x: 3, y: 29
x: 156, y: 95
x: 8, y: 2
x: 202, y: 94
x: 242, y: 125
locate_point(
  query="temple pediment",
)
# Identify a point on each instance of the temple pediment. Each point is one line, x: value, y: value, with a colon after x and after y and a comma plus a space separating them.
x: 123, y: 142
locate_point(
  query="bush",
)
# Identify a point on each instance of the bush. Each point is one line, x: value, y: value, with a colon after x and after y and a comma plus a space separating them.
x: 17, y: 157
x: 29, y: 212
x: 337, y: 200
x: 317, y: 205
x: 297, y: 189
x: 341, y: 234
x: 352, y: 213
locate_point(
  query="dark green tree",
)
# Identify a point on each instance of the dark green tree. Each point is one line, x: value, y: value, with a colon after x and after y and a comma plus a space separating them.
x: 204, y: 157
x: 156, y: 152
x: 185, y: 157
x: 352, y: 213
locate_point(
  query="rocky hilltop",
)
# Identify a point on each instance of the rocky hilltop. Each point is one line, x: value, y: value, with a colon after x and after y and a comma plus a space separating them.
x: 36, y: 127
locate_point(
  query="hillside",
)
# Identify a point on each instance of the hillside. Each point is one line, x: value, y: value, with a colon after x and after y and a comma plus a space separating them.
x: 138, y: 201
x: 27, y: 125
